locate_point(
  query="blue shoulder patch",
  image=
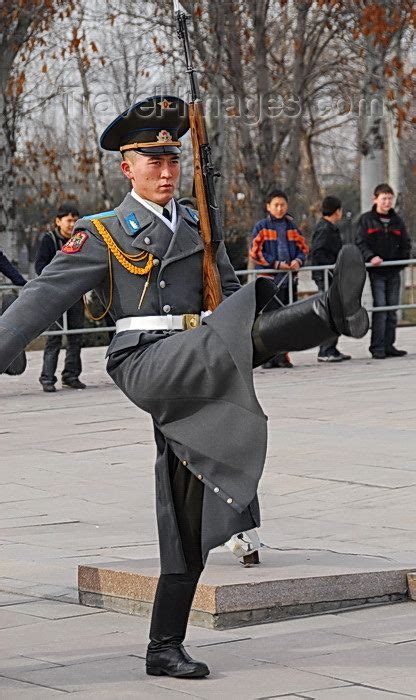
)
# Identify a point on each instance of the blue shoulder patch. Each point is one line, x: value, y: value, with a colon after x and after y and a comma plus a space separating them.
x: 101, y: 215
x: 193, y: 214
x: 132, y: 223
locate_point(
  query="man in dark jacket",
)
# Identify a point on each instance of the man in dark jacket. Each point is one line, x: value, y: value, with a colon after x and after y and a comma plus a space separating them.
x: 326, y: 244
x: 51, y: 242
x: 382, y: 236
x: 8, y: 270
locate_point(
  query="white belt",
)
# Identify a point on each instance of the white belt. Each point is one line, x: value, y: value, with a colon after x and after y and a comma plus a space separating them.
x: 160, y: 323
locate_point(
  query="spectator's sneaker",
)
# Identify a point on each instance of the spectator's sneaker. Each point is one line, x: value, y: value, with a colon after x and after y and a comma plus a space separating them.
x: 394, y: 352
x: 344, y: 357
x: 269, y: 364
x: 332, y: 357
x: 49, y: 387
x: 283, y: 361
x: 379, y: 355
x: 73, y: 384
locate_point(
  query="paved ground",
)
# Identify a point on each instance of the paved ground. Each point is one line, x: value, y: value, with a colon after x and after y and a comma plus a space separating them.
x: 76, y: 485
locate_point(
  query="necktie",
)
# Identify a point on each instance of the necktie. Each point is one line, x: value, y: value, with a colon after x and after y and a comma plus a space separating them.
x: 166, y: 214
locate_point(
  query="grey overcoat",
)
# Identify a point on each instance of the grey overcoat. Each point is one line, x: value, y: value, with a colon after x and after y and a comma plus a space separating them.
x: 197, y: 385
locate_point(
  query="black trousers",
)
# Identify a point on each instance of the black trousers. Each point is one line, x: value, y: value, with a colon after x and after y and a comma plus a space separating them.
x: 385, y: 287
x: 175, y: 592
x: 330, y: 346
x: 282, y: 293
x: 72, y: 367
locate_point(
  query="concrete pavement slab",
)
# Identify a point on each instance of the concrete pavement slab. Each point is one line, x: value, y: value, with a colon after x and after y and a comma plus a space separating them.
x: 15, y: 690
x: 86, y: 676
x: 11, y: 620
x: 296, y: 645
x: 356, y: 692
x: 50, y: 610
x: 371, y: 668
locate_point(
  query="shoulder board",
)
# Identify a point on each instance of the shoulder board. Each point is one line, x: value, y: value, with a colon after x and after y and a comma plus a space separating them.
x: 101, y: 215
x: 193, y: 214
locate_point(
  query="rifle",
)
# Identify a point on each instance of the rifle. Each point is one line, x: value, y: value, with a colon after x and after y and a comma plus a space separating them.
x: 204, y: 174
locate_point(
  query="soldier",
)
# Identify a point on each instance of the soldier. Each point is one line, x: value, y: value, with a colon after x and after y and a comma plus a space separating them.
x: 192, y: 372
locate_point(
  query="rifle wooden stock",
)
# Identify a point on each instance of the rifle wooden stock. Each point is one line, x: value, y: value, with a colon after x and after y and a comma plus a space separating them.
x: 211, y: 279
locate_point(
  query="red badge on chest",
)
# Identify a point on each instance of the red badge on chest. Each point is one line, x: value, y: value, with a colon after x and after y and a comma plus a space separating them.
x: 75, y: 243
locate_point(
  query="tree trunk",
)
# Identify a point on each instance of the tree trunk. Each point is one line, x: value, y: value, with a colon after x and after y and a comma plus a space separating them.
x: 394, y: 151
x: 12, y: 37
x: 295, y: 136
x: 372, y: 132
x: 8, y: 219
x: 266, y: 149
x: 98, y: 156
x: 232, y: 36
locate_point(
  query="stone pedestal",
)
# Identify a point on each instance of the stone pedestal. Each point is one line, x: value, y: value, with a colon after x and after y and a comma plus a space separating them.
x: 285, y: 584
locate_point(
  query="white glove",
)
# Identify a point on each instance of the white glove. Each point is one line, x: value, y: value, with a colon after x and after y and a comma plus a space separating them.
x: 243, y: 543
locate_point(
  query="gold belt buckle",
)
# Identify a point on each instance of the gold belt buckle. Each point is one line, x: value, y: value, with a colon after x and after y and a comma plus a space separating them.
x: 190, y: 321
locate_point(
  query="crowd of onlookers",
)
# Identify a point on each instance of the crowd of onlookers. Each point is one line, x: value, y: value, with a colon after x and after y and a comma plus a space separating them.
x: 278, y: 245
x: 381, y: 236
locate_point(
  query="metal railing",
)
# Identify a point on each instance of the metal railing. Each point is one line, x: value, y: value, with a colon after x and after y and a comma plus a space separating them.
x: 251, y: 274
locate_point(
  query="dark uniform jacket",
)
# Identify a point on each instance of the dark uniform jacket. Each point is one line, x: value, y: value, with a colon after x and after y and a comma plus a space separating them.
x: 390, y: 242
x: 7, y: 269
x: 197, y: 385
x: 49, y: 245
x: 326, y: 244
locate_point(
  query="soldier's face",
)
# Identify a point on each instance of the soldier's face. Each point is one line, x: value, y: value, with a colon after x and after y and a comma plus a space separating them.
x: 153, y: 177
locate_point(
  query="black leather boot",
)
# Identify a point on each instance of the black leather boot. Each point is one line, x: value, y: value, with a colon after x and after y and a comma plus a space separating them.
x: 306, y: 324
x: 165, y: 653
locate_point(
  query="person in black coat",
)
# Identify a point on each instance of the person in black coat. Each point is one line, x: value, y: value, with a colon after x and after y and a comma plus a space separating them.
x: 326, y: 244
x: 8, y: 270
x: 382, y: 236
x: 51, y: 243
x: 18, y: 366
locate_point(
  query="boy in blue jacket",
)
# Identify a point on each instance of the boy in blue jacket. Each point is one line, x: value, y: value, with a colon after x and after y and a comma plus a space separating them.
x: 278, y: 244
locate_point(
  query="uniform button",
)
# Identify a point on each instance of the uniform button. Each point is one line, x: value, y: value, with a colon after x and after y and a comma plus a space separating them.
x: 162, y: 283
x: 229, y: 500
x: 155, y: 262
x: 216, y: 489
x: 166, y: 308
x: 185, y: 463
x: 147, y: 240
x: 200, y: 476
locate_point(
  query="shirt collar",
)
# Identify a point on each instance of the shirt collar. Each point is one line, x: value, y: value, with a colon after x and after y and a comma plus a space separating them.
x: 158, y: 209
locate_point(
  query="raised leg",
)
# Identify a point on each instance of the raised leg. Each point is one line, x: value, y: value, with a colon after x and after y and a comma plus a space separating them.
x: 308, y: 323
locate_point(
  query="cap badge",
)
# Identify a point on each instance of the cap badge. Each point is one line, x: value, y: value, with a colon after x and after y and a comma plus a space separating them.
x: 164, y: 136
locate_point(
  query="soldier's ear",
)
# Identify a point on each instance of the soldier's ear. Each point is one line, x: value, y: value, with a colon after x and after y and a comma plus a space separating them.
x: 126, y: 169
